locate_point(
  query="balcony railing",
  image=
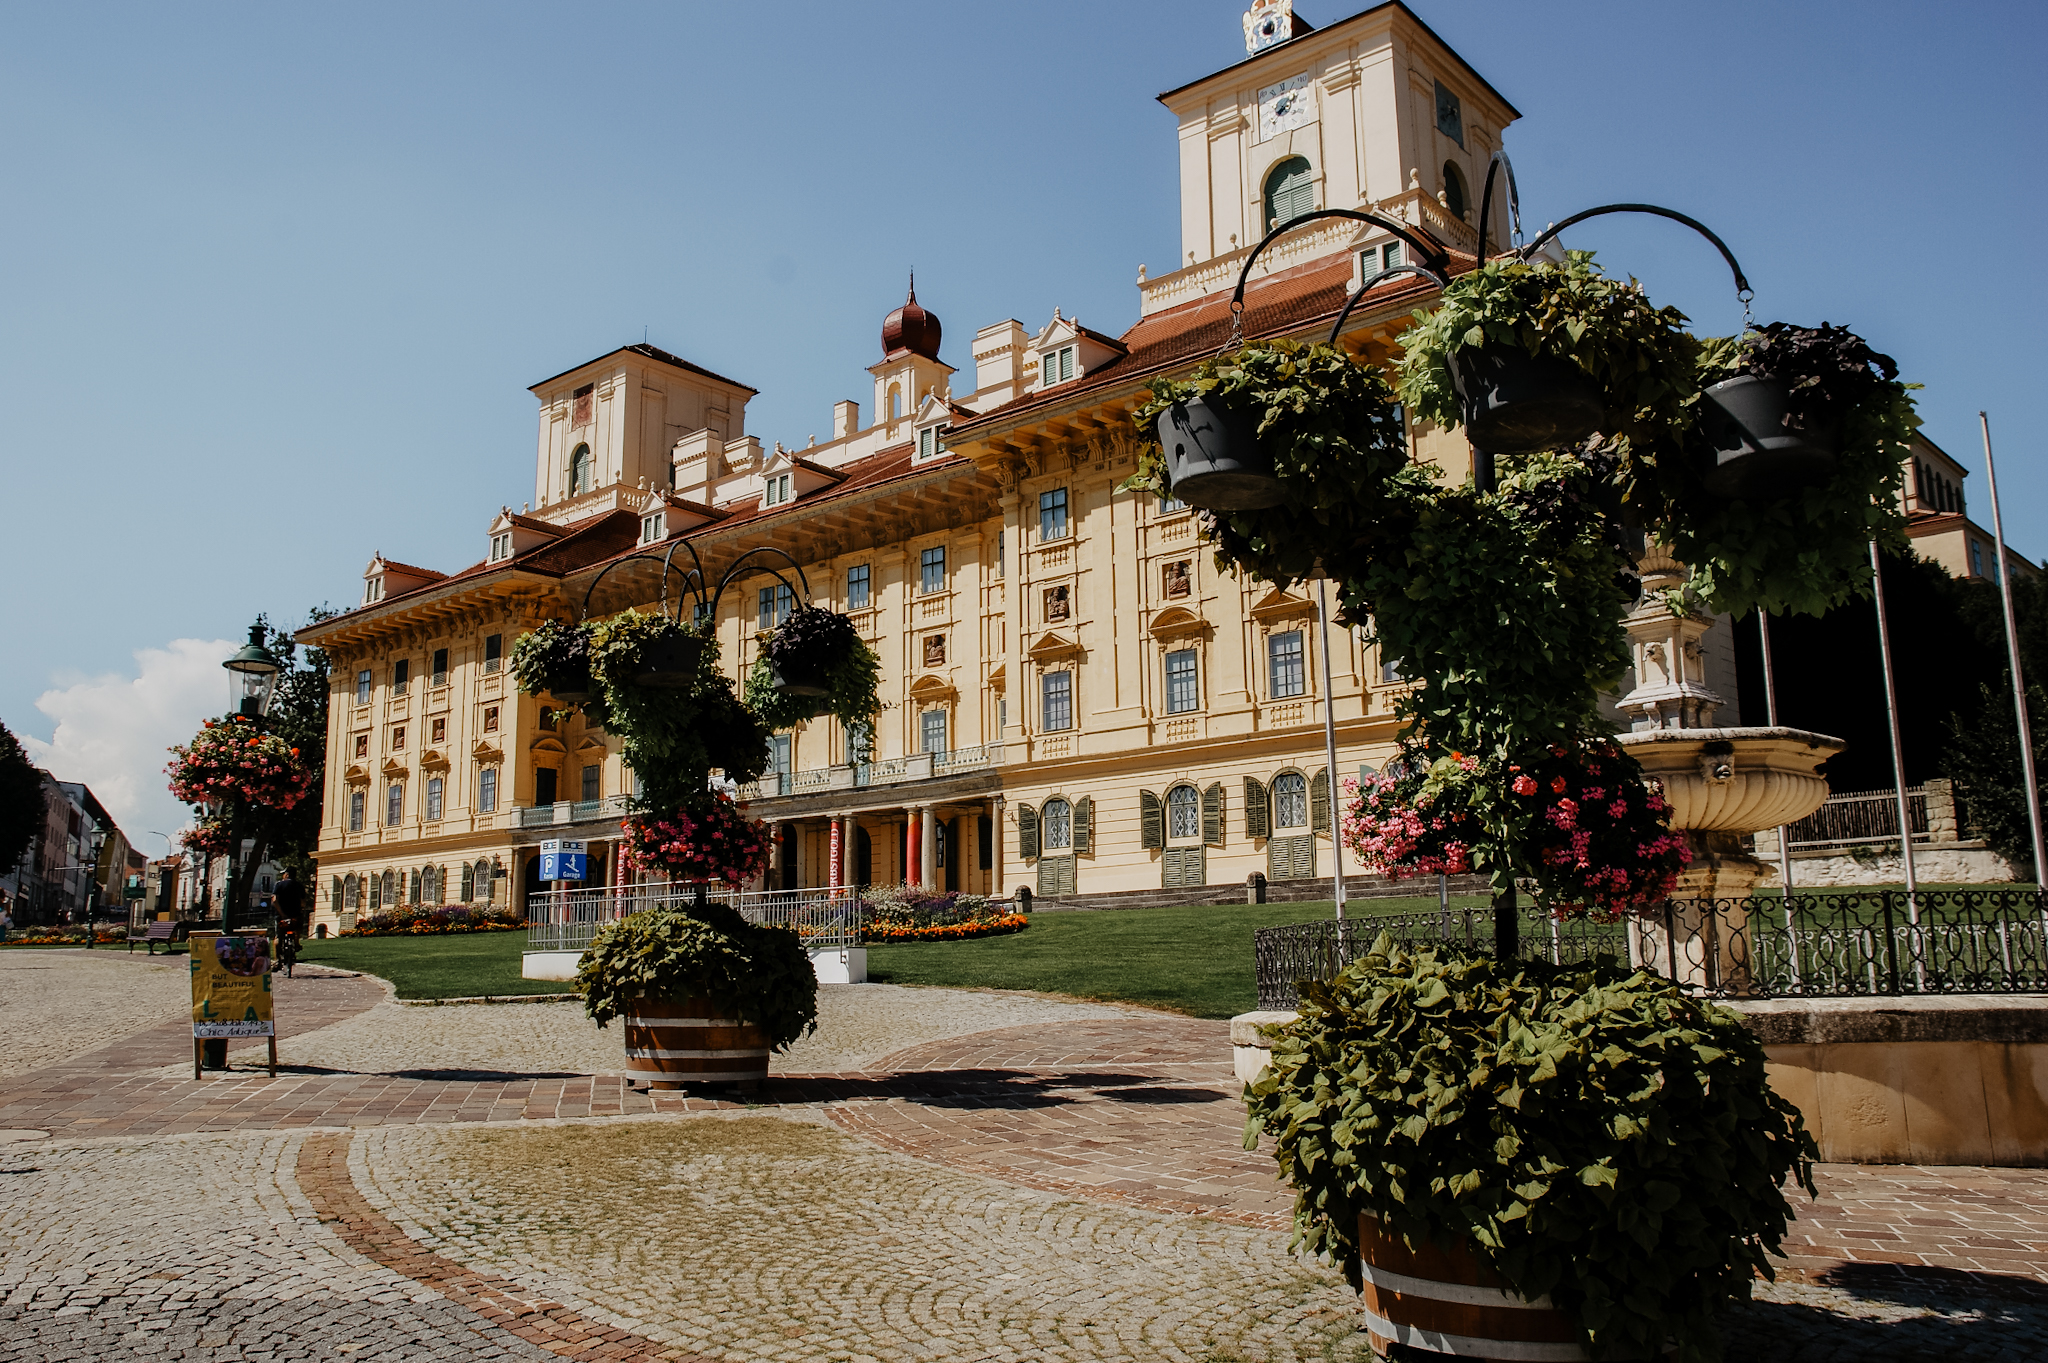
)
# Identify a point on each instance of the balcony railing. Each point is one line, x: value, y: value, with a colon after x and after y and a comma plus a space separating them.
x: 885, y: 772
x: 967, y: 759
x: 566, y: 920
x: 572, y: 812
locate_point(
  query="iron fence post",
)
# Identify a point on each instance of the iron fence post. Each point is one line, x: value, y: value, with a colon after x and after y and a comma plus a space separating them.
x: 1891, y: 941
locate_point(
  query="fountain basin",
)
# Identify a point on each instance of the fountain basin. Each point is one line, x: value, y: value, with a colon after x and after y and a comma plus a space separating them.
x: 1735, y: 780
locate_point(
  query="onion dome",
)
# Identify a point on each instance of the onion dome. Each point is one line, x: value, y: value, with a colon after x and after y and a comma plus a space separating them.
x: 910, y: 330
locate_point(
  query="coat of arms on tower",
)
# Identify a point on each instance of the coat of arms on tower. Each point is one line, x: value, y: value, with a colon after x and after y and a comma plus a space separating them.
x: 1268, y: 22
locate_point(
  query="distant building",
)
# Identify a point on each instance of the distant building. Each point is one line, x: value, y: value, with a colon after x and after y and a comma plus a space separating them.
x: 1938, y: 520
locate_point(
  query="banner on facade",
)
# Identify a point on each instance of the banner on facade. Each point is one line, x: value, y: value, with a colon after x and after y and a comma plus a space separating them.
x: 231, y: 987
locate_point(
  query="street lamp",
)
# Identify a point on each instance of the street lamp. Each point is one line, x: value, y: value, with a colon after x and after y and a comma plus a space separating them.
x: 255, y: 668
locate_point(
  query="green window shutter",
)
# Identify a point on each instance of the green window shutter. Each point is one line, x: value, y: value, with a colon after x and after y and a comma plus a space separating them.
x: 1212, y: 815
x: 1184, y: 868
x: 1257, y: 810
x: 1151, y: 819
x: 468, y: 882
x: 1027, y: 831
x: 1084, y: 826
x: 415, y: 888
x: 1319, y: 802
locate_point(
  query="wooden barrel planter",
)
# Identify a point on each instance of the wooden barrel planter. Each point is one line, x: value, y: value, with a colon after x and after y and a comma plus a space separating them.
x: 1431, y: 1301
x: 673, y: 1042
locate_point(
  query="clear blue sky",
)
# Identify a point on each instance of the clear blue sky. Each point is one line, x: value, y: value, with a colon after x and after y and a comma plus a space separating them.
x: 277, y: 277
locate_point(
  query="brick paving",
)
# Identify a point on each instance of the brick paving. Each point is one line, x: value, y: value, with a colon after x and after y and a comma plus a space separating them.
x: 1131, y: 1116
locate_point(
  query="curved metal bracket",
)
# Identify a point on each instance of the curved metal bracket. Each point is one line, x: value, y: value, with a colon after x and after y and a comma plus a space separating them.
x: 1742, y: 288
x: 1493, y: 167
x: 733, y: 571
x: 1435, y: 256
x: 1352, y: 301
x: 696, y: 574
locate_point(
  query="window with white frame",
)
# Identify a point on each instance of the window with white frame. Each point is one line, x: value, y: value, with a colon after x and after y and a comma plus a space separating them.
x: 363, y: 687
x: 1057, y: 690
x: 1052, y: 514
x: 776, y: 603
x: 1290, y: 800
x: 1374, y: 259
x: 931, y: 727
x: 1056, y: 366
x: 1056, y: 827
x: 434, y: 790
x: 501, y: 546
x: 1287, y: 675
x: 1168, y: 504
x: 355, y: 811
x: 494, y: 653
x: 1183, y: 682
x: 775, y: 490
x: 487, y: 791
x: 857, y: 578
x: 929, y: 443
x: 653, y: 528
x: 1183, y: 812
x: 931, y: 570
x: 394, y: 804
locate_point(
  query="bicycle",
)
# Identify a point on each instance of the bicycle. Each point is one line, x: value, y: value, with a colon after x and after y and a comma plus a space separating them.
x: 287, y: 939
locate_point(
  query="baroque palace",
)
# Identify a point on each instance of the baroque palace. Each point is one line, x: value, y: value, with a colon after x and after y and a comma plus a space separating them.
x: 1077, y: 701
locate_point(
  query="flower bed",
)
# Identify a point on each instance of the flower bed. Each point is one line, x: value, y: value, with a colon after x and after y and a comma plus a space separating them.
x: 994, y: 926
x: 65, y: 939
x: 429, y: 921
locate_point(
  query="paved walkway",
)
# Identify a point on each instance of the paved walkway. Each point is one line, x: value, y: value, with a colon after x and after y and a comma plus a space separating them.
x: 1070, y: 1187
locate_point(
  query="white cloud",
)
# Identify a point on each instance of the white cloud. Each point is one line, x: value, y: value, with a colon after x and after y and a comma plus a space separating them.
x: 112, y: 732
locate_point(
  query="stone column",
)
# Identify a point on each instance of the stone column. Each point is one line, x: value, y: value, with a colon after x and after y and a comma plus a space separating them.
x: 928, y: 847
x: 913, y: 862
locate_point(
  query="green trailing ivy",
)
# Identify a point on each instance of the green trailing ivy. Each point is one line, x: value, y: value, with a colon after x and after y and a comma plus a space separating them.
x: 554, y: 655
x: 759, y: 974
x: 1594, y: 1134
x: 1334, y: 435
x: 673, y: 737
x: 828, y: 641
x: 1640, y: 356
x: 1506, y: 605
x: 1808, y: 551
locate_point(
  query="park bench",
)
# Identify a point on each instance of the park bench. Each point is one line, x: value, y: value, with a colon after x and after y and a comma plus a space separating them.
x: 168, y: 933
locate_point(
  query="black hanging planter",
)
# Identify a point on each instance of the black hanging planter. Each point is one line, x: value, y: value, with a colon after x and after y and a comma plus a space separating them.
x: 1751, y: 454
x: 1515, y: 402
x: 670, y: 662
x: 799, y: 677
x: 573, y: 685
x: 1212, y: 459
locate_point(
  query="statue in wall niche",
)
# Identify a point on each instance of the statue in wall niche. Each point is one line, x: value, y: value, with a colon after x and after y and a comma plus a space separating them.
x: 934, y: 650
x: 1178, y: 581
x: 1055, y: 604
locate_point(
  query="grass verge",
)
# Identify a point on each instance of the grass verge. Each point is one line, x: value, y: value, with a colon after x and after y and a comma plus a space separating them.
x: 460, y: 965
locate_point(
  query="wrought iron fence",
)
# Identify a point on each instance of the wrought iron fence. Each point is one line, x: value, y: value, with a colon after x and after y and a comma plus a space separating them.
x: 1852, y: 944
x: 566, y: 920
x: 1862, y: 816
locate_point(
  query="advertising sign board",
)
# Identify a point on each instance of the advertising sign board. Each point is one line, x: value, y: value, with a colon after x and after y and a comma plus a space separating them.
x: 561, y: 859
x: 231, y: 987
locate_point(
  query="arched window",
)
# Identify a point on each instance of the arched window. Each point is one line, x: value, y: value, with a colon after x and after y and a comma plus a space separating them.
x: 1454, y: 190
x: 1183, y: 812
x: 385, y: 892
x: 483, y: 882
x: 1290, y: 192
x: 1290, y: 800
x: 581, y: 476
x: 895, y: 402
x: 1058, y: 824
x: 351, y: 893
x: 430, y: 886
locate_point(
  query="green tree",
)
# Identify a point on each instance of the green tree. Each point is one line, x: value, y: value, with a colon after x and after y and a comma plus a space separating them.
x: 298, y: 714
x: 21, y: 800
x: 1983, y: 759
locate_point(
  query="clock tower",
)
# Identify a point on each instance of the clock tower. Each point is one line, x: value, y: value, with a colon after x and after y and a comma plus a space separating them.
x: 1371, y: 112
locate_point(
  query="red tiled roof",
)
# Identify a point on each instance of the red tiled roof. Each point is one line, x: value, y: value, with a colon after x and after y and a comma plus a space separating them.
x: 392, y: 565
x: 1279, y: 303
x: 529, y: 523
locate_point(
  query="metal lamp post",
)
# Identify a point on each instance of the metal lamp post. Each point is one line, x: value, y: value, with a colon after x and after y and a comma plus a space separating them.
x: 253, y: 670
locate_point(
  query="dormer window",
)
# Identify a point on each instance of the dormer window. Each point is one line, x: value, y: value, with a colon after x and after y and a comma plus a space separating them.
x: 929, y: 443
x: 373, y: 590
x: 1374, y: 259
x: 501, y: 546
x: 1056, y: 366
x: 775, y: 490
x: 653, y: 529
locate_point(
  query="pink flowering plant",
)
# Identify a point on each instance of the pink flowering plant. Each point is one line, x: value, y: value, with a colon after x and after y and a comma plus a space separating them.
x: 712, y: 842
x: 211, y: 836
x: 229, y: 759
x: 1579, y: 822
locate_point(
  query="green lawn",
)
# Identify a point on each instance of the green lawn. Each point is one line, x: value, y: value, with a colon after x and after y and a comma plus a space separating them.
x: 1192, y: 960
x: 459, y: 966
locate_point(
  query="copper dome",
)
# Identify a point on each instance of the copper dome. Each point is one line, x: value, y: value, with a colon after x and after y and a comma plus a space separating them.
x: 910, y: 329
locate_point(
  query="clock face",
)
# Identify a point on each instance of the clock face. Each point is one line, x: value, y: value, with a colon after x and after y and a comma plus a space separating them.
x: 1285, y: 106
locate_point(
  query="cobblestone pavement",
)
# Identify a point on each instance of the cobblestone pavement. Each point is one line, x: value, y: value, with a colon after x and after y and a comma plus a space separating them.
x: 82, y: 999
x: 1022, y: 1190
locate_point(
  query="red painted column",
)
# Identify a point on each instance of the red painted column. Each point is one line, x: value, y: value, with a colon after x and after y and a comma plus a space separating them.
x: 913, y: 849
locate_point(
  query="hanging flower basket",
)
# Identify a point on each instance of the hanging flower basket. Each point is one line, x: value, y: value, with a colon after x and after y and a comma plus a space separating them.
x: 1512, y: 401
x: 1755, y: 453
x: 713, y: 842
x: 813, y: 663
x: 231, y: 760
x: 554, y: 659
x: 1212, y: 458
x: 672, y: 661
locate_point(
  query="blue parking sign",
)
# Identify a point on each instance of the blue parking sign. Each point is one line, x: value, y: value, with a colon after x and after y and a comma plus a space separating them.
x: 561, y: 859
